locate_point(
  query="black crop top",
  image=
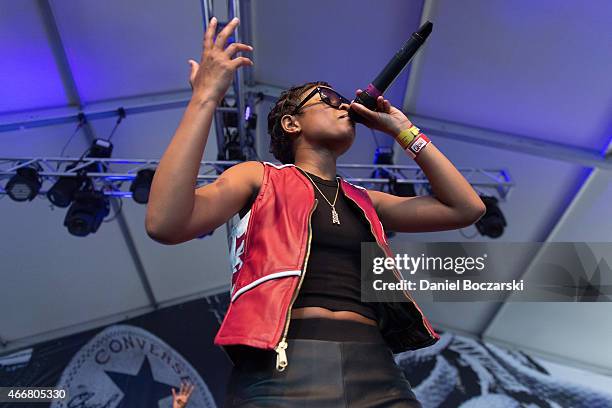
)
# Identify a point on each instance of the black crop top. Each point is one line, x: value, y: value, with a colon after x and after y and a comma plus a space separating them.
x: 333, y: 273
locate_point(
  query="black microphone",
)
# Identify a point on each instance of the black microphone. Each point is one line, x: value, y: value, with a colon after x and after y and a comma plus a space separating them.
x: 391, y: 70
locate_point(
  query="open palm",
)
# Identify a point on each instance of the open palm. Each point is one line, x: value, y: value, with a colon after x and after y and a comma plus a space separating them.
x: 180, y: 399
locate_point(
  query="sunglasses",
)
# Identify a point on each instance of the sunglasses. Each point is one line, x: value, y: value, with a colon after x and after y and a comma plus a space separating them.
x: 328, y: 95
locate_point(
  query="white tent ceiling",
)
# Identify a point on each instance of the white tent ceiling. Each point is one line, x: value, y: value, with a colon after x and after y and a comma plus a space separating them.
x: 537, y: 71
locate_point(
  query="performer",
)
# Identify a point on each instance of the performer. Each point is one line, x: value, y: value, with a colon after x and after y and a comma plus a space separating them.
x: 296, y: 329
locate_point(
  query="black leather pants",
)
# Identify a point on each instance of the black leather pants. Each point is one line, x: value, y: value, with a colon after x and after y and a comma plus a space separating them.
x: 324, y: 370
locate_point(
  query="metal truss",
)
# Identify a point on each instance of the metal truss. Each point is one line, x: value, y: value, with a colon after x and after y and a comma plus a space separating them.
x: 113, y: 181
x: 236, y: 100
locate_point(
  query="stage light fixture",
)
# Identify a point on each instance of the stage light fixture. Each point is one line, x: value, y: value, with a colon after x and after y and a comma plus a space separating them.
x: 62, y: 192
x: 141, y: 186
x: 384, y: 155
x: 493, y: 221
x: 402, y: 189
x: 101, y: 148
x: 86, y: 213
x: 25, y: 184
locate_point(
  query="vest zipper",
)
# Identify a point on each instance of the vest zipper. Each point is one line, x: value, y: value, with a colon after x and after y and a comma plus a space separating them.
x: 281, y: 354
x: 395, y: 272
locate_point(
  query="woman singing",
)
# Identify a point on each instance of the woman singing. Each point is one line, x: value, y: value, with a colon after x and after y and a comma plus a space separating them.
x: 296, y: 329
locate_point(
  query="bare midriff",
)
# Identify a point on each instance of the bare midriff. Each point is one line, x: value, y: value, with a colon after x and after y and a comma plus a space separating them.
x: 314, y: 312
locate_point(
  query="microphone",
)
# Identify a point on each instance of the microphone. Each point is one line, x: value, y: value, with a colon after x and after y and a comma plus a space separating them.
x: 391, y: 70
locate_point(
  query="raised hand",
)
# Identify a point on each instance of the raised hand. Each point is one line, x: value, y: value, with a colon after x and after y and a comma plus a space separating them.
x: 180, y: 399
x: 387, y: 118
x: 212, y: 76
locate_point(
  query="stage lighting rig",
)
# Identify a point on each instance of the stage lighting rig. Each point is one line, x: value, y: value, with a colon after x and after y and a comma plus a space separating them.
x: 25, y: 184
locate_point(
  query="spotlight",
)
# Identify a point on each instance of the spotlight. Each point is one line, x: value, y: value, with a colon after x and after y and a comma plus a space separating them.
x: 24, y: 185
x: 383, y: 155
x: 402, y: 189
x: 62, y: 192
x: 86, y: 213
x: 141, y: 186
x: 100, y: 149
x: 493, y: 222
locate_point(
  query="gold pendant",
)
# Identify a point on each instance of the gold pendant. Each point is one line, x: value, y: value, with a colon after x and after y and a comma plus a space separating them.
x: 335, y: 219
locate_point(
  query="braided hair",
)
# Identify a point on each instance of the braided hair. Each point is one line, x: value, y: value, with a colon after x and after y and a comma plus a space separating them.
x: 281, y: 145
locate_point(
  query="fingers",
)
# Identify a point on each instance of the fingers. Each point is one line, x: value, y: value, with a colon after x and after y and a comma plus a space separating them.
x: 186, y: 389
x: 225, y: 33
x: 210, y: 33
x: 383, y: 105
x: 387, y: 106
x: 194, y: 70
x: 241, y: 61
x: 362, y: 110
x: 237, y: 47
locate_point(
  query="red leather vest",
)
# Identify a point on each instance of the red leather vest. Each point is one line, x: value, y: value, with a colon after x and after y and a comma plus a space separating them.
x: 269, y: 251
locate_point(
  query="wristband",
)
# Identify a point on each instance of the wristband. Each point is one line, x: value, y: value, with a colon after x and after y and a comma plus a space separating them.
x: 407, y: 136
x: 417, y: 145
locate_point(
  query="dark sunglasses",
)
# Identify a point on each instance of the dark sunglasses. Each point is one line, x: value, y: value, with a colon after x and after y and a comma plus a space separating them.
x: 328, y: 95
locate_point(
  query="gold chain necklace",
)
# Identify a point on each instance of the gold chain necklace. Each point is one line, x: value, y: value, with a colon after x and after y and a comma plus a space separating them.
x: 334, y: 213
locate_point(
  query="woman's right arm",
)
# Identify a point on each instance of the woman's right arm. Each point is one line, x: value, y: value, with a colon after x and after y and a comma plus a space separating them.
x: 176, y: 212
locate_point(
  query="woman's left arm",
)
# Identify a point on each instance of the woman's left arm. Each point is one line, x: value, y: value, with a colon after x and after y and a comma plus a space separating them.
x: 454, y: 203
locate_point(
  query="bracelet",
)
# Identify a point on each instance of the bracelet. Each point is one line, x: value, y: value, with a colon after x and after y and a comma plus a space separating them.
x: 417, y: 145
x: 407, y: 136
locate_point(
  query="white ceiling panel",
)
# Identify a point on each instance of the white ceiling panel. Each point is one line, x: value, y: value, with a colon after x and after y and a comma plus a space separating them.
x: 176, y: 271
x: 43, y: 141
x: 557, y: 328
x: 29, y: 78
x: 532, y: 208
x: 146, y: 135
x: 541, y: 191
x: 589, y: 218
x: 125, y: 48
x: 51, y: 279
x: 331, y: 41
x: 539, y: 69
